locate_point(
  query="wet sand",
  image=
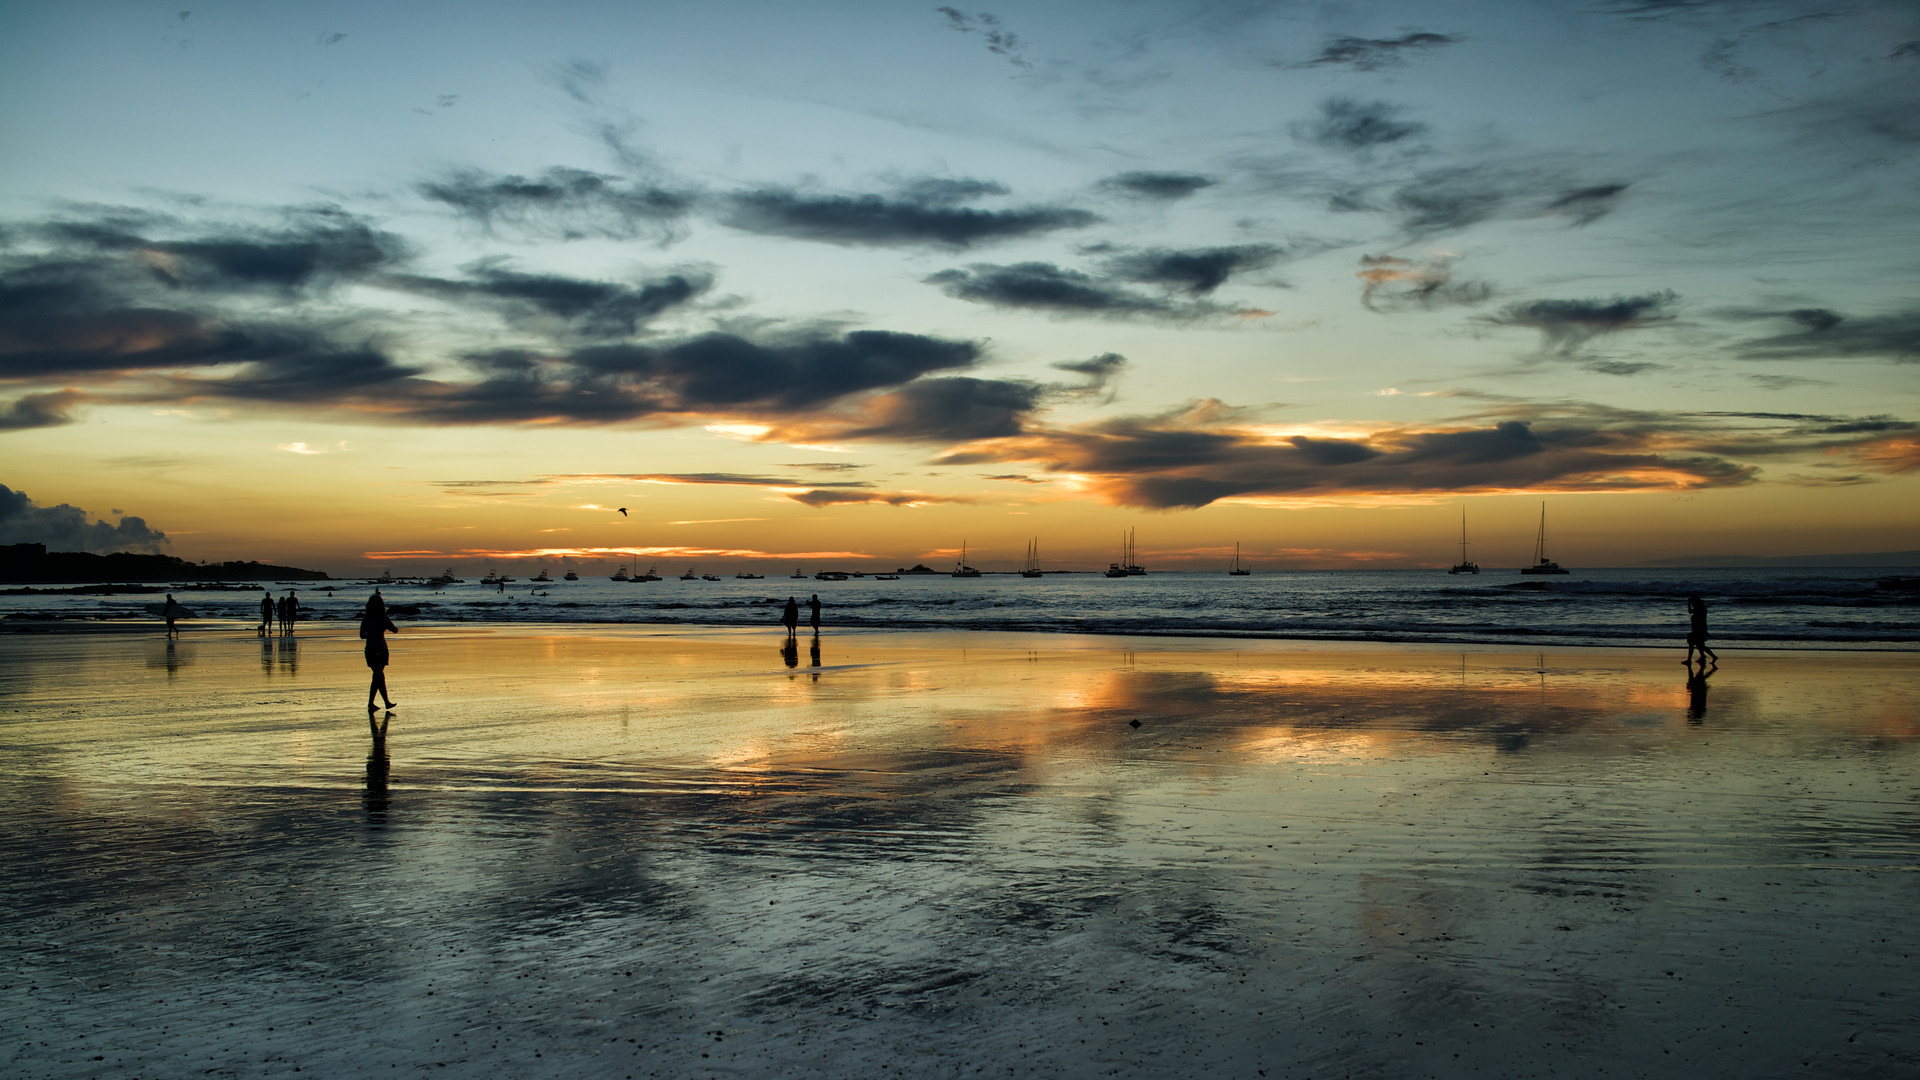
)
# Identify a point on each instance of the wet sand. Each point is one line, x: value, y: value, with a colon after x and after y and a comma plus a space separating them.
x: 640, y: 854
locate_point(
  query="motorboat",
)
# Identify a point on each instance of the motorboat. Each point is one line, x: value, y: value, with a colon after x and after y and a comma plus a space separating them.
x: 689, y: 575
x: 709, y: 577
x: 886, y: 577
x: 570, y: 576
x: 830, y: 575
x: 750, y: 577
x: 543, y: 578
x: 648, y: 576
x: 621, y: 575
x: 797, y: 574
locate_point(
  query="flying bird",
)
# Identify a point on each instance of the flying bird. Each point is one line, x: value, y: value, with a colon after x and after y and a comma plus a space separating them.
x: 623, y: 511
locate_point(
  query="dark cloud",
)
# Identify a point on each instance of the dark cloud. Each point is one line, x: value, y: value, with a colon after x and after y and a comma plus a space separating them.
x: 1821, y: 334
x: 593, y: 309
x: 1620, y: 367
x: 305, y: 368
x: 317, y: 248
x: 1357, y: 126
x: 1100, y: 372
x: 1046, y: 287
x: 1906, y: 50
x: 1588, y: 204
x: 881, y: 498
x: 723, y: 373
x: 39, y: 410
x: 949, y: 191
x: 1372, y: 54
x: 999, y: 40
x: 1205, y: 452
x: 1157, y: 185
x: 66, y: 319
x: 1452, y: 198
x: 825, y: 466
x: 953, y: 409
x: 1397, y: 284
x: 1565, y: 325
x: 1195, y: 272
x: 67, y: 528
x: 568, y: 204
x: 879, y: 221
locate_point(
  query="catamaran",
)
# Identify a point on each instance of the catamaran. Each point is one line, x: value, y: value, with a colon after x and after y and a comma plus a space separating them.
x: 1468, y: 566
x: 1236, y: 570
x: 961, y: 569
x: 1126, y: 567
x: 1031, y: 568
x: 1542, y: 564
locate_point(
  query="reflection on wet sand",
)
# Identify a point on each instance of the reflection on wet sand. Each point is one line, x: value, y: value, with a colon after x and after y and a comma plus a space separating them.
x: 621, y: 853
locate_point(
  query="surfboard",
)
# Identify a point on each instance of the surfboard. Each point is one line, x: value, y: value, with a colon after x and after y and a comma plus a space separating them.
x: 178, y: 611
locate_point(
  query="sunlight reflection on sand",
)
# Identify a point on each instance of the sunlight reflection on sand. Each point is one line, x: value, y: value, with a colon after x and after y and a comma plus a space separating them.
x: 586, y: 853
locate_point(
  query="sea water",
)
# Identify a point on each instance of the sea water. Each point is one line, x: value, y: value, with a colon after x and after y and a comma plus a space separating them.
x: 1762, y: 608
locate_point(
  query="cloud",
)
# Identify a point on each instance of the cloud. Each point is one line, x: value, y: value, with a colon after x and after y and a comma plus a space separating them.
x: 67, y: 528
x: 1821, y: 334
x: 914, y: 216
x: 1207, y: 451
x: 1044, y: 286
x: 881, y: 498
x: 1588, y: 204
x: 953, y: 409
x: 1100, y: 371
x: 39, y: 410
x: 315, y: 248
x: 1195, y: 272
x: 1164, y: 186
x: 565, y: 204
x: 999, y: 40
x: 1357, y: 126
x: 1397, y: 284
x: 1372, y: 54
x: 1452, y: 198
x: 1565, y: 325
x: 553, y: 302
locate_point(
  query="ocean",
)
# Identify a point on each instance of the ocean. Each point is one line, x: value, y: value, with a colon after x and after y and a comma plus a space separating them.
x: 1805, y: 608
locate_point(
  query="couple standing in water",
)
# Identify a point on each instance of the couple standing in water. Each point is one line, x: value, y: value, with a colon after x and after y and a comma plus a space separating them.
x: 792, y: 615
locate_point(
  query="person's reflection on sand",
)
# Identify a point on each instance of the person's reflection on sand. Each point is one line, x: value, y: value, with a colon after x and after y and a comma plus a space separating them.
x: 375, y: 796
x: 290, y: 655
x: 813, y: 653
x: 1697, y: 692
x: 266, y: 654
x: 790, y: 652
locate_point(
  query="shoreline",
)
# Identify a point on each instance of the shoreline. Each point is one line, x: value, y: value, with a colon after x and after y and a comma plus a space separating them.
x: 205, y: 629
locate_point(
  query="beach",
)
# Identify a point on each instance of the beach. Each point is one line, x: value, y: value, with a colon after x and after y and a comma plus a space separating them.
x: 631, y: 851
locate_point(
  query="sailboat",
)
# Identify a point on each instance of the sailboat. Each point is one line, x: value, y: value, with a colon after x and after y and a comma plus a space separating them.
x: 1468, y: 566
x: 1126, y: 567
x: 1237, y: 570
x: 1542, y: 564
x: 961, y: 569
x: 1032, y: 566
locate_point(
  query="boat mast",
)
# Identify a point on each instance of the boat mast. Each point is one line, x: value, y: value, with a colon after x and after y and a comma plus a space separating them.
x: 1540, y: 544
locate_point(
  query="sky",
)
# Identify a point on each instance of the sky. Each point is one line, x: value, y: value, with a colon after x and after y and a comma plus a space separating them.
x: 854, y: 284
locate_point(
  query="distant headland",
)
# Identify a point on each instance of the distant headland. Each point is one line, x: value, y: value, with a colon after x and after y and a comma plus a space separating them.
x: 34, y: 564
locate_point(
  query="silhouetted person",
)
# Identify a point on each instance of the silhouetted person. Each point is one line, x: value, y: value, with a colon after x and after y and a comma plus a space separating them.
x: 791, y: 617
x: 374, y: 626
x: 266, y: 611
x: 171, y: 612
x: 293, y: 610
x: 813, y: 614
x: 1697, y: 692
x: 790, y: 650
x: 1697, y: 632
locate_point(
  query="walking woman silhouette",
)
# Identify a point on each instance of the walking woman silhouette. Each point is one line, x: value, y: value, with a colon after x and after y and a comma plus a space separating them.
x: 374, y: 626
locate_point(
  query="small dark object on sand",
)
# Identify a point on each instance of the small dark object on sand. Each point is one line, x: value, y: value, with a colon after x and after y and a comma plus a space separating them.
x: 1133, y: 723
